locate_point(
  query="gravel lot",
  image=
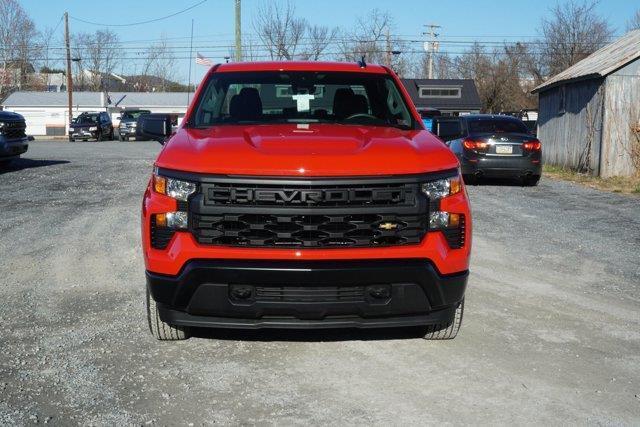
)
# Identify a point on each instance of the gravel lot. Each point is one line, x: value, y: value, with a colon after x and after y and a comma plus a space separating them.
x: 551, y: 333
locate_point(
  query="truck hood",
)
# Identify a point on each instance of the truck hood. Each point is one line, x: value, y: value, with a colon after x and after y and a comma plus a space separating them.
x: 305, y: 150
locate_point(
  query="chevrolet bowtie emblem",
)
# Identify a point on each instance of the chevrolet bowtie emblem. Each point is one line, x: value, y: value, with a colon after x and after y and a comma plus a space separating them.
x: 388, y: 226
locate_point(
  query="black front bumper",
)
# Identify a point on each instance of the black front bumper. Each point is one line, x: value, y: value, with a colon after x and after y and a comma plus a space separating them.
x: 317, y: 294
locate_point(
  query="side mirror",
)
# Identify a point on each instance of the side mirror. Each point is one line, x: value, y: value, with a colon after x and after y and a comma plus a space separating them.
x: 156, y: 127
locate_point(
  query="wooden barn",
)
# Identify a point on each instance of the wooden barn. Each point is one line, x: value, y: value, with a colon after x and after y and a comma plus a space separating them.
x: 589, y: 114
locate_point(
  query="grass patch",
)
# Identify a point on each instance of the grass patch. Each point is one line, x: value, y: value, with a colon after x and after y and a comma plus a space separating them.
x: 615, y: 184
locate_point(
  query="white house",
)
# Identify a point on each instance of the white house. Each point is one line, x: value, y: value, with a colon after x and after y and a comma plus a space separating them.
x: 46, y: 113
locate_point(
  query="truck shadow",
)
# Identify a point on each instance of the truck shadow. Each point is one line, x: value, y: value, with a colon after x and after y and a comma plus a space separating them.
x: 319, y: 335
x: 19, y: 164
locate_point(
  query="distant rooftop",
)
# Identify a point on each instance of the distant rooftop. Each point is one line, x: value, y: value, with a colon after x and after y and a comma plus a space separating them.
x: 94, y: 100
x: 600, y: 63
x: 468, y: 99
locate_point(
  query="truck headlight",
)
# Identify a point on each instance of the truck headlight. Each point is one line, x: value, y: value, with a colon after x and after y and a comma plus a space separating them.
x: 93, y: 128
x: 174, y: 220
x: 174, y: 188
x: 440, y: 220
x: 2, y: 124
x: 442, y: 187
x: 71, y: 129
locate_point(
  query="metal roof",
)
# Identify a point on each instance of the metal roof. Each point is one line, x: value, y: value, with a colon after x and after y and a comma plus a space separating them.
x: 600, y: 63
x: 469, y: 99
x: 93, y: 99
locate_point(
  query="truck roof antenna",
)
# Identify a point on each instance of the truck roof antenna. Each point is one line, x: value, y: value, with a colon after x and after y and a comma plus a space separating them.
x: 361, y: 63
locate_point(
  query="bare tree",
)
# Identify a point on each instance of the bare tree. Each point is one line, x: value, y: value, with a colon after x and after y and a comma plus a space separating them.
x: 368, y: 38
x: 444, y: 66
x: 319, y: 39
x: 502, y: 82
x: 18, y: 46
x: 98, y: 54
x: 372, y: 38
x: 279, y: 30
x: 634, y: 22
x: 573, y: 32
x: 157, y: 67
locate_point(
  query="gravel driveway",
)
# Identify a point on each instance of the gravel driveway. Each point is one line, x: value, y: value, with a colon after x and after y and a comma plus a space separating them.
x: 551, y: 333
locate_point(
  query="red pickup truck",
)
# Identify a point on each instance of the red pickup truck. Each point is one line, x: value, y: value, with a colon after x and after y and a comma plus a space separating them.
x: 303, y: 195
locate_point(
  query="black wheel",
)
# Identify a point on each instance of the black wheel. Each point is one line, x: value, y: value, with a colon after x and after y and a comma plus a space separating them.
x: 121, y: 138
x: 446, y: 331
x: 111, y: 135
x: 99, y: 137
x: 470, y: 179
x: 71, y: 139
x: 160, y: 329
x: 531, y: 180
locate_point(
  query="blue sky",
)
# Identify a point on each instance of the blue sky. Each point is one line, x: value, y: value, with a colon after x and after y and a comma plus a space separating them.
x: 463, y: 20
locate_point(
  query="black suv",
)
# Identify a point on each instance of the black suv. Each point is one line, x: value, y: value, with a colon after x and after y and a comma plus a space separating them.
x: 13, y: 139
x: 129, y: 122
x: 492, y: 146
x: 87, y: 126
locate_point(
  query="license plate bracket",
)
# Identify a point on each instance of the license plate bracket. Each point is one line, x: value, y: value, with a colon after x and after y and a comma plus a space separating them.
x: 504, y: 149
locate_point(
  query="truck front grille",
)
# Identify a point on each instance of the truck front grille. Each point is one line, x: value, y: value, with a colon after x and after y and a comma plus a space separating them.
x: 307, y: 213
x: 309, y: 231
x: 14, y: 130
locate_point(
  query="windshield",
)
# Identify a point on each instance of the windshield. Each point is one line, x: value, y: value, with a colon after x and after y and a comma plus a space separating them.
x: 84, y: 119
x: 301, y: 97
x: 133, y: 115
x: 496, y: 126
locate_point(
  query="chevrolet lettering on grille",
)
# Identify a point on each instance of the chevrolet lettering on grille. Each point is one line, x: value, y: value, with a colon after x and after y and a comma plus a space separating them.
x: 238, y: 195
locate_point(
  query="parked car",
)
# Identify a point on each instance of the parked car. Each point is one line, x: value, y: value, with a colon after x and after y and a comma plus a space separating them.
x: 128, y: 123
x: 493, y: 146
x: 13, y: 139
x: 91, y: 125
x: 427, y: 115
x: 303, y: 195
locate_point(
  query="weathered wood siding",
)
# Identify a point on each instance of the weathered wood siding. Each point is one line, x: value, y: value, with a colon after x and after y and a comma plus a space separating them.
x: 622, y: 113
x: 572, y: 138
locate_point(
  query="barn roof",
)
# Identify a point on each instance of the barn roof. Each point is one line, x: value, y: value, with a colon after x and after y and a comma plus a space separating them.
x: 469, y: 99
x: 93, y: 99
x: 600, y: 63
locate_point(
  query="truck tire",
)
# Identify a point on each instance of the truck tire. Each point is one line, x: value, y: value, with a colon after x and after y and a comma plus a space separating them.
x: 162, y: 330
x: 446, y: 331
x: 531, y: 181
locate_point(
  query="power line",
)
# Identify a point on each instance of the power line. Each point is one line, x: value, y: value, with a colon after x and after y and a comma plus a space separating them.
x: 141, y: 22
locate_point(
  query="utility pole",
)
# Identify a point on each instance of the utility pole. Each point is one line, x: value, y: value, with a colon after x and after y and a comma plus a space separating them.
x: 431, y: 45
x: 69, y: 77
x: 388, y: 58
x: 238, y: 33
x: 190, y: 61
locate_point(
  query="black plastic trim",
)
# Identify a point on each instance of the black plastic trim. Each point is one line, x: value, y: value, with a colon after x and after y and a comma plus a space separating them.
x: 175, y: 317
x: 200, y: 295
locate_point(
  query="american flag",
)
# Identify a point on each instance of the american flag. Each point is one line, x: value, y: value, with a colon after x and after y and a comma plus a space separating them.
x: 202, y: 60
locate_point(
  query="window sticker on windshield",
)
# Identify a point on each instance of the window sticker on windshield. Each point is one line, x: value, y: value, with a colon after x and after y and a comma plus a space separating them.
x: 302, y: 99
